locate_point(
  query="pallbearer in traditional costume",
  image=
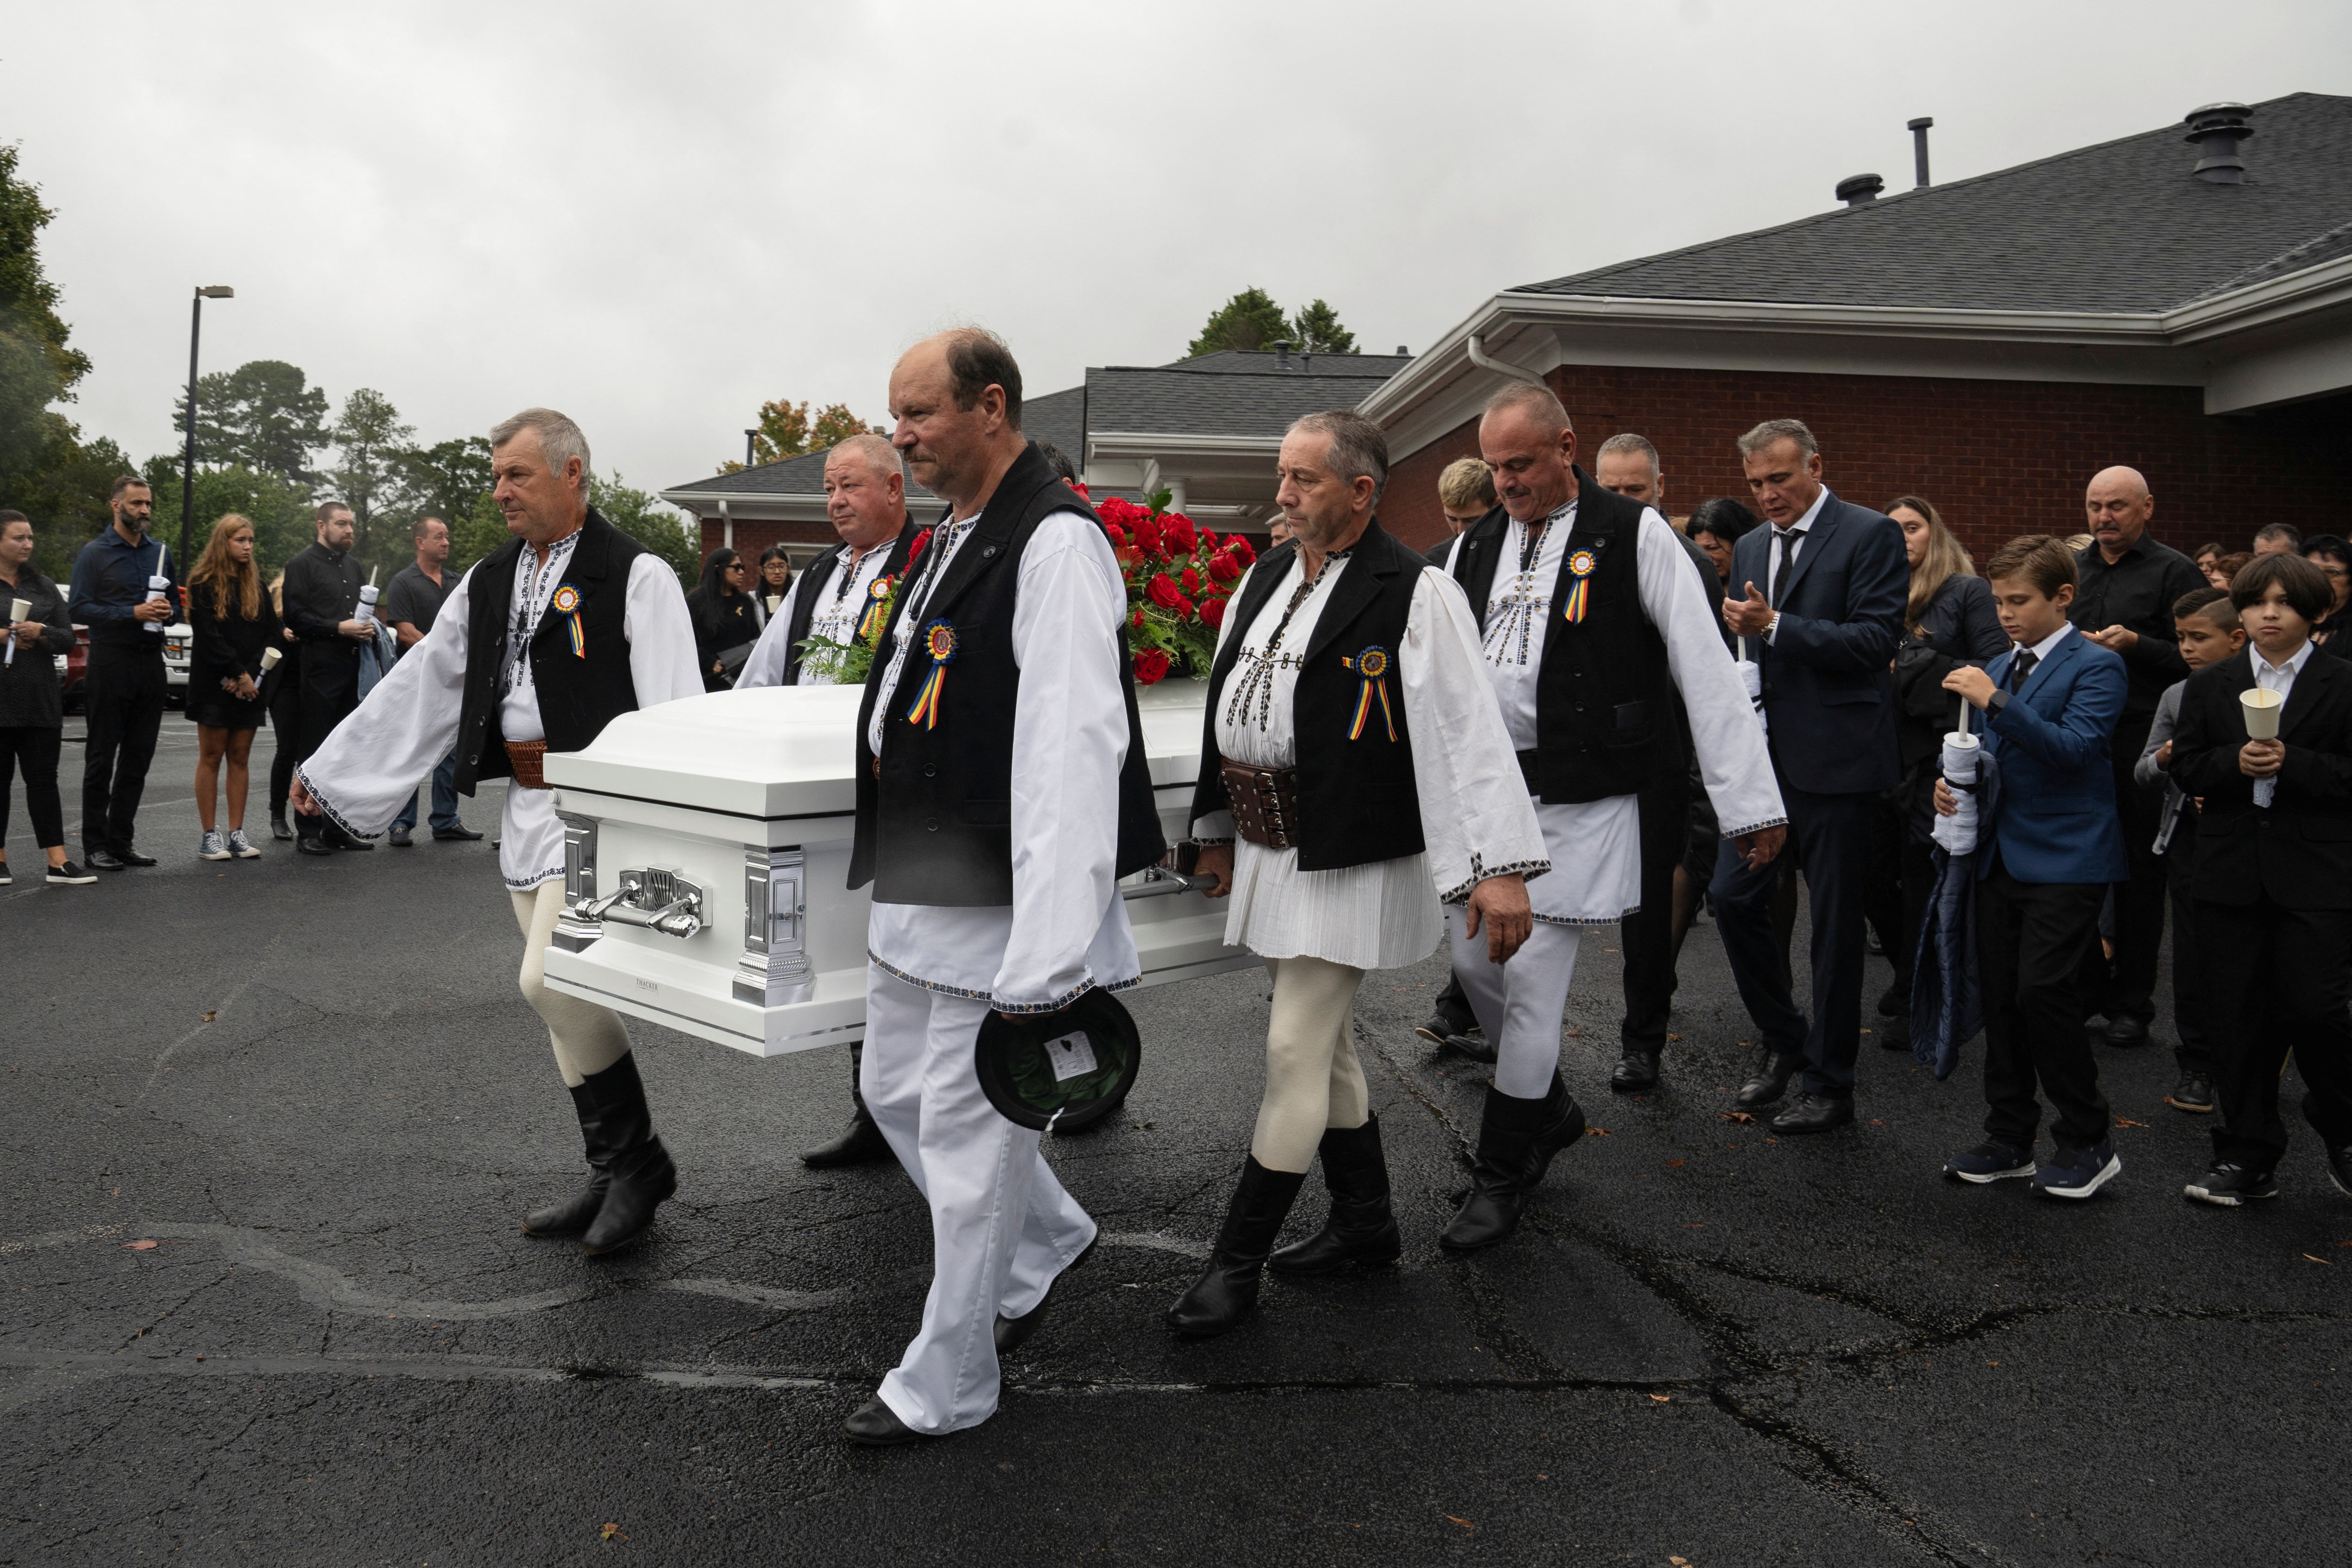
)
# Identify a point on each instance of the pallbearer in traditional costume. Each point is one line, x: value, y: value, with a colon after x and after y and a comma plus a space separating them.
x: 1591, y: 620
x: 1352, y: 745
x: 823, y: 633
x: 553, y: 634
x: 1002, y: 792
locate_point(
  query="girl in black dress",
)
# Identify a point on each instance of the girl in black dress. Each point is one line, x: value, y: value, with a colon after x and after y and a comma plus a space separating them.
x: 723, y: 618
x: 775, y: 582
x: 232, y: 622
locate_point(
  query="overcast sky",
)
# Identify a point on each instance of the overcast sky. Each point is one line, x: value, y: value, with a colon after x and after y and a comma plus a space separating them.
x: 655, y: 216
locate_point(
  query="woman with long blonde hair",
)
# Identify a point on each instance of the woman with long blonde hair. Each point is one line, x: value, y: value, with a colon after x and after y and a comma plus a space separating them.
x: 232, y: 623
x: 1948, y: 621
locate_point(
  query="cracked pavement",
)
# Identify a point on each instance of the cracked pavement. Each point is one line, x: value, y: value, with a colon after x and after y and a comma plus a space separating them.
x: 1705, y: 1344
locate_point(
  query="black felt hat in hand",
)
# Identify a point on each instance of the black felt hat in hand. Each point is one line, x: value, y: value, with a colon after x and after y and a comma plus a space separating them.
x: 1059, y: 1070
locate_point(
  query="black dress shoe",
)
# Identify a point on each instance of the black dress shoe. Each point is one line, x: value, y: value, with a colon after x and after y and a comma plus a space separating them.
x: 861, y: 1144
x: 2126, y: 1031
x: 1895, y: 1035
x: 278, y: 830
x: 2193, y: 1093
x: 1768, y: 1080
x: 878, y: 1426
x: 2339, y: 1168
x: 342, y: 840
x: 398, y: 837
x: 132, y: 857
x: 311, y: 844
x: 459, y: 834
x: 1814, y: 1113
x: 1637, y: 1070
x: 1892, y: 1001
x: 101, y: 860
x: 1472, y: 1046
x: 1012, y: 1333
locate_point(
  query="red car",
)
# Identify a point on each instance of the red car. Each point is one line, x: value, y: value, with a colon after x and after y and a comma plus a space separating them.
x: 72, y: 667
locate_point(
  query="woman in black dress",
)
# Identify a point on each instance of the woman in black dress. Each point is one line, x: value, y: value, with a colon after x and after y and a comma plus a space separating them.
x: 231, y: 619
x: 775, y: 582
x: 724, y: 624
x: 1949, y: 621
x: 32, y: 706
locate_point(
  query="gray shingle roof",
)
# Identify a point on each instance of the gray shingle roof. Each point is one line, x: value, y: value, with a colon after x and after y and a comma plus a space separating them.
x: 1225, y: 361
x: 1175, y: 399
x: 2120, y: 226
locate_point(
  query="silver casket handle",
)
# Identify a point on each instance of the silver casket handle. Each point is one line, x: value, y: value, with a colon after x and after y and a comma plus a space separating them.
x: 651, y: 899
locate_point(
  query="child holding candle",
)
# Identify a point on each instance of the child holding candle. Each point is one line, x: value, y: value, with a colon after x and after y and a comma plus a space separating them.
x: 2206, y: 625
x: 2265, y: 744
x: 2044, y: 859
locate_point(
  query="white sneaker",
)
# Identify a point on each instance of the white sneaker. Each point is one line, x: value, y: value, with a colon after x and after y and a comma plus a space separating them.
x: 211, y: 847
x: 241, y: 846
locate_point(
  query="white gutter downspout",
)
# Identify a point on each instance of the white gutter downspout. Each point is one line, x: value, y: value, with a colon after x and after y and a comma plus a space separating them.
x: 1477, y: 346
x: 726, y: 526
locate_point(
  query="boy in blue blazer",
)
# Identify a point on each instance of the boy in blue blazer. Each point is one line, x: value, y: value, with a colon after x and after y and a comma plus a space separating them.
x: 2043, y: 864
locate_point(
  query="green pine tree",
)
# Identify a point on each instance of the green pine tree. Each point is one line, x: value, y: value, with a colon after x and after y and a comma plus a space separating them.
x: 1317, y: 329
x: 1250, y: 320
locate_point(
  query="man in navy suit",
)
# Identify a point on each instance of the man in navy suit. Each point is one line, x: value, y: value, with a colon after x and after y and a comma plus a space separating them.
x: 1820, y: 609
x: 2043, y: 864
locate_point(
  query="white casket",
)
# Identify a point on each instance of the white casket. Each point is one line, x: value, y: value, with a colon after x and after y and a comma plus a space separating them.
x: 707, y: 853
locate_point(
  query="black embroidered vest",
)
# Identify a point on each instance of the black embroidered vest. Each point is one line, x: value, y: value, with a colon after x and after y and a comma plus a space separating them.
x: 935, y: 810
x: 1357, y: 800
x: 579, y: 692
x: 817, y: 580
x: 1605, y: 716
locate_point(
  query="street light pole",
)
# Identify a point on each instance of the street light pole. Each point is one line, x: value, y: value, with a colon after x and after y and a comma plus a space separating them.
x: 188, y: 465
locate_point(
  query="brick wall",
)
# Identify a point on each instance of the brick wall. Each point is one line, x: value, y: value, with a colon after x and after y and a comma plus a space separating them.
x: 752, y: 536
x: 1997, y: 458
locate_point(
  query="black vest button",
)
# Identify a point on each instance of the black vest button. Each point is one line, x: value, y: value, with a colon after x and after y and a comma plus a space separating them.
x: 929, y: 772
x: 931, y: 823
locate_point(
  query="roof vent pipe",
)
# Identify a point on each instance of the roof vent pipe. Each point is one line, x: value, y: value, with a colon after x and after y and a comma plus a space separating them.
x: 1856, y: 189
x: 1404, y: 353
x: 2215, y: 131
x: 1919, y: 148
x: 1282, y: 352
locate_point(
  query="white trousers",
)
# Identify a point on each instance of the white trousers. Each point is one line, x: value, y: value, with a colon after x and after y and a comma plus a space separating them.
x: 1002, y: 1226
x: 1520, y: 1003
x: 1313, y: 1080
x: 587, y: 1038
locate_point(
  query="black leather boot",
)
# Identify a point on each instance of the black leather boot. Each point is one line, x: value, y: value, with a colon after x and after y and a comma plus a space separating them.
x: 861, y: 1142
x: 1768, y: 1079
x: 1223, y: 1296
x: 1361, y: 1228
x: 641, y: 1175
x: 1637, y: 1070
x: 1516, y: 1138
x: 576, y: 1215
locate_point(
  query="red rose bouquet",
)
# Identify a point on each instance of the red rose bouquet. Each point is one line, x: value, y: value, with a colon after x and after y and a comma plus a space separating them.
x: 1179, y: 576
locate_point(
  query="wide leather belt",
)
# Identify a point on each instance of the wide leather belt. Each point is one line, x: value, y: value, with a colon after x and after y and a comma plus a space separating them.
x: 529, y: 760
x: 1530, y: 771
x: 1265, y: 802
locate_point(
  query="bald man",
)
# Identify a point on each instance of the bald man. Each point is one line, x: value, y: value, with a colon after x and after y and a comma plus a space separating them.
x: 2129, y: 582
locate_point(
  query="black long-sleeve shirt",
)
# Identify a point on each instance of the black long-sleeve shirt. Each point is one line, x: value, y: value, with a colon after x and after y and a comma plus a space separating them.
x: 322, y: 592
x: 224, y: 647
x: 2137, y: 592
x: 29, y: 695
x: 109, y: 578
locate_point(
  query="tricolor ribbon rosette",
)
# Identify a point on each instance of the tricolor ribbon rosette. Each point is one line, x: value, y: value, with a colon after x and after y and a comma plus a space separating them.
x: 870, y: 626
x: 1581, y: 565
x: 1372, y: 665
x: 940, y: 642
x: 567, y: 605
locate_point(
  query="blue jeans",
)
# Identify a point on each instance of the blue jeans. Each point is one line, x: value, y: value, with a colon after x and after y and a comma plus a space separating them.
x: 445, y: 798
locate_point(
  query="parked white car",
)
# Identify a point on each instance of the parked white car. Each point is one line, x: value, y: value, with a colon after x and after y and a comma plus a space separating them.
x: 178, y: 638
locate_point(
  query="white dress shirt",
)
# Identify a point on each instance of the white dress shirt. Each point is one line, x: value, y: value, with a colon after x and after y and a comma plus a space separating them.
x: 366, y: 771
x: 847, y: 595
x: 1066, y: 927
x: 2039, y: 650
x: 1474, y: 816
x: 2280, y: 678
x: 1595, y: 846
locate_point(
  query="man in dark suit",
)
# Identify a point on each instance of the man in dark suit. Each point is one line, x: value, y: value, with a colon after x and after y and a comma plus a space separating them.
x: 2273, y: 887
x: 1820, y: 605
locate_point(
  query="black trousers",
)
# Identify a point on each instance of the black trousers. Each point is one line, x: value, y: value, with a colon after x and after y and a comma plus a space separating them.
x: 2280, y: 980
x: 2030, y: 941
x: 1647, y: 935
x: 2126, y: 988
x: 1902, y: 881
x: 32, y: 750
x: 122, y: 697
x: 322, y: 710
x: 2191, y: 1002
x: 1833, y: 835
x: 286, y: 725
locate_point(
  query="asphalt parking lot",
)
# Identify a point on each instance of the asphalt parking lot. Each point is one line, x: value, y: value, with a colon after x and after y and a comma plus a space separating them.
x: 269, y: 1126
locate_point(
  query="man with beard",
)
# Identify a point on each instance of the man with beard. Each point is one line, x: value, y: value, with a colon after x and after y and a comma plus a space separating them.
x: 560, y: 630
x: 122, y: 693
x: 839, y: 599
x: 1002, y: 792
x: 322, y: 597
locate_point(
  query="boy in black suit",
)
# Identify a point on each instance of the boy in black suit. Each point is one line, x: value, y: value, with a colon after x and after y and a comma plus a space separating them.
x: 2206, y: 625
x: 2273, y: 881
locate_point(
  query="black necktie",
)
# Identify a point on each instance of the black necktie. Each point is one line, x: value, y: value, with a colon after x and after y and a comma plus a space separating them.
x: 2021, y: 668
x: 1787, y: 539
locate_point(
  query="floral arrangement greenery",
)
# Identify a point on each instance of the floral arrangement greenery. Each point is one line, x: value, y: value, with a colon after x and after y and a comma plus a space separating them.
x: 1178, y: 577
x: 847, y: 663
